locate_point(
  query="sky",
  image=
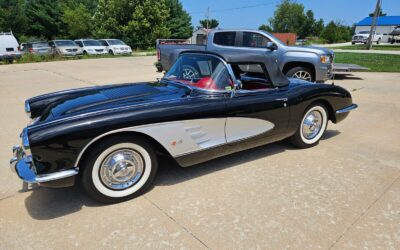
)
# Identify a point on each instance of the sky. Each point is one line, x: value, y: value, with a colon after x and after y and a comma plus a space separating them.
x: 252, y: 13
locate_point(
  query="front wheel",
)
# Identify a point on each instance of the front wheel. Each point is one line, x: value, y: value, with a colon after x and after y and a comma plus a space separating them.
x: 379, y: 41
x: 119, y: 169
x: 110, y: 52
x: 312, y: 127
x: 302, y: 73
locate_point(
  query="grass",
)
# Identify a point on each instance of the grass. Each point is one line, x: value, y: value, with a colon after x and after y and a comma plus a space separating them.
x: 31, y: 58
x: 376, y: 62
x: 374, y: 47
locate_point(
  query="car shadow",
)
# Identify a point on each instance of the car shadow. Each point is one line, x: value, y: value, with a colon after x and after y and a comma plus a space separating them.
x: 48, y: 204
x: 347, y: 76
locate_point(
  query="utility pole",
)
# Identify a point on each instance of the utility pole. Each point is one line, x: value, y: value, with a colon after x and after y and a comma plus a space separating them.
x: 208, y: 17
x: 373, y: 25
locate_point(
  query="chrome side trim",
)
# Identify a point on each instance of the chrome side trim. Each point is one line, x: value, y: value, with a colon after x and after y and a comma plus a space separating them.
x: 348, y: 109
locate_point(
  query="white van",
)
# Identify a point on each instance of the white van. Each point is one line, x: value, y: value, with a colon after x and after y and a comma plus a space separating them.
x: 9, y: 47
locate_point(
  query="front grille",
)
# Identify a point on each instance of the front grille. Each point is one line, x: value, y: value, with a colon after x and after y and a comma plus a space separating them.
x: 99, y: 50
x: 71, y: 50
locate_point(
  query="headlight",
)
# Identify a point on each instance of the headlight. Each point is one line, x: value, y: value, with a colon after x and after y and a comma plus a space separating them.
x: 90, y: 50
x: 325, y: 59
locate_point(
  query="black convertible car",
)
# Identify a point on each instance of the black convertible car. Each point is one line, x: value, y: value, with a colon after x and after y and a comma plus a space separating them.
x: 208, y: 105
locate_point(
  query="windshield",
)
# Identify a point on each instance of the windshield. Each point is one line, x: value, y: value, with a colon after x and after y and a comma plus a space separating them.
x: 115, y: 42
x: 201, y: 71
x: 40, y: 45
x: 91, y: 43
x: 65, y: 43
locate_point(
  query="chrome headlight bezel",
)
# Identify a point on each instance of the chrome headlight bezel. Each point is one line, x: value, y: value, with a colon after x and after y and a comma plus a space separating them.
x: 28, y: 109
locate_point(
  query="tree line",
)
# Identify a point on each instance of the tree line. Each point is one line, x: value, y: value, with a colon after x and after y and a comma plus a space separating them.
x: 291, y: 17
x: 138, y: 22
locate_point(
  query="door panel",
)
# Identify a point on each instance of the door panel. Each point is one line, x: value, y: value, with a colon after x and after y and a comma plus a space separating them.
x: 253, y: 113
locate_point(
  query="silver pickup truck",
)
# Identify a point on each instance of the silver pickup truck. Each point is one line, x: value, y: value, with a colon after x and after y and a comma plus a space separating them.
x: 313, y: 64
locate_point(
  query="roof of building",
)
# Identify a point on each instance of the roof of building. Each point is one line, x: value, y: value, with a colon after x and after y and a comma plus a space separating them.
x: 381, y: 21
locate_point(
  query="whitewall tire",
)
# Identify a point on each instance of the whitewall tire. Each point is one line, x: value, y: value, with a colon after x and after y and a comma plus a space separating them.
x: 119, y: 169
x: 312, y: 127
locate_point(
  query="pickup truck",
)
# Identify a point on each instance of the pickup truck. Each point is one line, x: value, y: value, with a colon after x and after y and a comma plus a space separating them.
x: 395, y: 35
x: 362, y: 37
x: 312, y: 64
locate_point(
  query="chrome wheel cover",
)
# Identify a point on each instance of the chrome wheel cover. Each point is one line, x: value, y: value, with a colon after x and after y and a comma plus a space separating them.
x: 312, y: 124
x: 121, y: 169
x: 304, y: 75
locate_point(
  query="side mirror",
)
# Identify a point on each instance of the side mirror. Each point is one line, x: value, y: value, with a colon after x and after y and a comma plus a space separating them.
x: 272, y: 46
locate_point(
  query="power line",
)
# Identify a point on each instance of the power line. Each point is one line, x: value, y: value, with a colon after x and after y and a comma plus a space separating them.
x: 236, y: 8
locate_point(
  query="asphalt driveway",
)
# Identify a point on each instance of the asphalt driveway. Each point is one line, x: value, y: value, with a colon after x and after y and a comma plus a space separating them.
x: 342, y: 194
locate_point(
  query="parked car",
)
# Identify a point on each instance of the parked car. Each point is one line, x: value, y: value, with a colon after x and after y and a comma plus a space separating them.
x: 362, y: 37
x: 307, y: 63
x: 207, y: 105
x: 116, y: 47
x: 395, y: 35
x: 65, y: 48
x: 91, y: 47
x: 37, y: 48
x: 9, y: 47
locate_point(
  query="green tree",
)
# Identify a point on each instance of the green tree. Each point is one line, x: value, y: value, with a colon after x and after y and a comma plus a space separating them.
x: 288, y: 17
x: 266, y: 28
x: 44, y: 18
x: 137, y: 22
x: 212, y: 23
x: 12, y: 16
x: 179, y: 22
x: 336, y: 32
x: 78, y: 21
x: 149, y: 22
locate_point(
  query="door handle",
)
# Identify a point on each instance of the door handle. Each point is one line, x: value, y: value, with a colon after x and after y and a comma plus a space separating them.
x: 282, y: 99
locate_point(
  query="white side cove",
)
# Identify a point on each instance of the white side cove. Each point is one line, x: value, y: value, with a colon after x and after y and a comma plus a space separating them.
x: 241, y: 128
x: 184, y: 137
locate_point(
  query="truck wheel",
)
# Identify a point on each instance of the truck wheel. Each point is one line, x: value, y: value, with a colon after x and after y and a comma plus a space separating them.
x: 303, y: 73
x: 353, y: 43
x: 119, y: 169
x: 312, y: 126
x: 379, y: 41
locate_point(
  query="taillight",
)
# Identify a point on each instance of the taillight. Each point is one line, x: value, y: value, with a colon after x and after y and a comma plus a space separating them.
x: 30, y: 49
x: 19, y: 48
x: 158, y: 55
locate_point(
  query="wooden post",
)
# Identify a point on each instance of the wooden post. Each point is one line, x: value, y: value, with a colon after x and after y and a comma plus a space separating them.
x: 373, y: 24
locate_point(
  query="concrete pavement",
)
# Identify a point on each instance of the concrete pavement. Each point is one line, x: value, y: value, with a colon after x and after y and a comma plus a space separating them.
x: 342, y: 194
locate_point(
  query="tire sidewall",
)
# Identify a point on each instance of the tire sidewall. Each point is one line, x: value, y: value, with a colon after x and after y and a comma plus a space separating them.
x: 292, y: 71
x: 91, y: 177
x: 322, y: 110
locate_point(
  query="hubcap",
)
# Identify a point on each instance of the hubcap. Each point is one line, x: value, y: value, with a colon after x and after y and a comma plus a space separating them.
x: 121, y: 169
x: 312, y: 124
x: 304, y: 75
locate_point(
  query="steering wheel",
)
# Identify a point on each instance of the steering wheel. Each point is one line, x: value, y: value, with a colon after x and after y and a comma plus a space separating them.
x: 189, y: 72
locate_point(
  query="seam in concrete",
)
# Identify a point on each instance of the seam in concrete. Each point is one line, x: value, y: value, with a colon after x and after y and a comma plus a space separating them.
x: 180, y: 225
x: 364, y: 212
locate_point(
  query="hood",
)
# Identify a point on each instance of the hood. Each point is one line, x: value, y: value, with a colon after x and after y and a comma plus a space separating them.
x: 97, y: 99
x: 312, y: 49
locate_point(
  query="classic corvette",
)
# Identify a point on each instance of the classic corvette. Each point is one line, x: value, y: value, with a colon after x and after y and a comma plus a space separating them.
x: 207, y: 105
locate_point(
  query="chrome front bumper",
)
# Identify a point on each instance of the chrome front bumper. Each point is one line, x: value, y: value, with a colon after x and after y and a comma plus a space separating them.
x: 22, y: 164
x: 347, y: 109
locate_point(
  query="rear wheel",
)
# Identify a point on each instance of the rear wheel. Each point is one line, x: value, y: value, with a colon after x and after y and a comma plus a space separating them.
x: 379, y: 41
x: 302, y: 73
x: 312, y: 126
x: 119, y: 169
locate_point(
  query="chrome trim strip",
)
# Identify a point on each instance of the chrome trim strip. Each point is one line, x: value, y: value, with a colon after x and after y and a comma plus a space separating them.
x: 348, y: 109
